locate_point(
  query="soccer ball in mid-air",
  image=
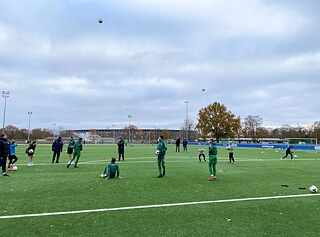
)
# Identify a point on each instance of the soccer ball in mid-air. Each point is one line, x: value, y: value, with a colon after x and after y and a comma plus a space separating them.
x: 157, y: 152
x: 14, y: 168
x: 203, y: 89
x: 313, y: 189
x: 100, y: 20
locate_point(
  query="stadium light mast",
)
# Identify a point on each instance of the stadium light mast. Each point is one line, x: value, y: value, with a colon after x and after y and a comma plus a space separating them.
x: 5, y: 95
x: 187, y: 120
x: 54, y: 131
x: 113, y: 134
x: 129, y: 117
x: 29, y: 113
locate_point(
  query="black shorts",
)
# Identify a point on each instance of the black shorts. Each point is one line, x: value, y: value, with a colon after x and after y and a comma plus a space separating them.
x: 70, y: 150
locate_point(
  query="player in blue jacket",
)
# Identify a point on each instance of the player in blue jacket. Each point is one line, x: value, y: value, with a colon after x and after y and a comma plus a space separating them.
x: 12, y: 156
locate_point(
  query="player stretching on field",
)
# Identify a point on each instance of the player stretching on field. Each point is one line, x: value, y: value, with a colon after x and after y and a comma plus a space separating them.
x: 12, y: 157
x: 288, y: 152
x: 111, y: 170
x: 76, y: 153
x: 212, y: 159
x: 162, y: 148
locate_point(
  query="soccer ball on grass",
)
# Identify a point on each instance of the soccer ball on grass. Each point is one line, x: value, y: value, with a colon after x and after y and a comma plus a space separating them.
x: 14, y: 168
x: 313, y: 189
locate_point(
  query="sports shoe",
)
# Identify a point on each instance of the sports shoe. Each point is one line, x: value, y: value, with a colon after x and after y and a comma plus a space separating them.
x: 164, y: 173
x: 9, y: 169
x: 214, y: 177
x: 68, y: 165
x: 160, y: 176
x: 4, y: 174
x: 211, y: 178
x: 76, y: 166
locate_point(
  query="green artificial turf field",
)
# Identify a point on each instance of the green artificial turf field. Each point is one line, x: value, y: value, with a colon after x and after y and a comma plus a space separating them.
x: 52, y: 188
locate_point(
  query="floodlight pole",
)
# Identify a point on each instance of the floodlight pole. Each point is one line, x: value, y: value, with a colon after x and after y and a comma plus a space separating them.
x: 129, y: 117
x: 54, y: 131
x: 187, y: 120
x: 29, y: 113
x: 113, y: 134
x: 5, y: 95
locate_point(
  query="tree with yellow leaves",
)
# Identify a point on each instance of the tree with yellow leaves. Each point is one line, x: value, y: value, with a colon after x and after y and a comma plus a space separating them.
x: 215, y: 121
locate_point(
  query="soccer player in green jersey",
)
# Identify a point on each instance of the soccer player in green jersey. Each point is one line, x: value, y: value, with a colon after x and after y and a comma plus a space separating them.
x: 212, y: 160
x: 70, y: 147
x: 161, y: 152
x: 111, y: 170
x: 76, y: 153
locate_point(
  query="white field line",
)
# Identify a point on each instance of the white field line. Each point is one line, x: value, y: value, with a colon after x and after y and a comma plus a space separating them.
x: 157, y: 206
x: 177, y: 160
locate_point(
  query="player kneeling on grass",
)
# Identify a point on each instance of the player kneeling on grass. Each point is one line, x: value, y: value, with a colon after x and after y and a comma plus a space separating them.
x: 111, y: 170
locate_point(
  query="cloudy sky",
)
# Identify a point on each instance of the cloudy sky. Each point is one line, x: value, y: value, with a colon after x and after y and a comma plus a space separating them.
x: 257, y: 57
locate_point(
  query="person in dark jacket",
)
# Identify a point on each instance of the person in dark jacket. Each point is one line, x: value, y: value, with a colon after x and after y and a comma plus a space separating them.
x: 289, y: 152
x: 4, y: 153
x: 178, y: 145
x: 121, y: 148
x: 57, y: 146
x: 185, y: 144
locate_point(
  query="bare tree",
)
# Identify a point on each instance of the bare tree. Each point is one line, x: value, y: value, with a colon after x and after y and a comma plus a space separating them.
x: 252, y: 124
